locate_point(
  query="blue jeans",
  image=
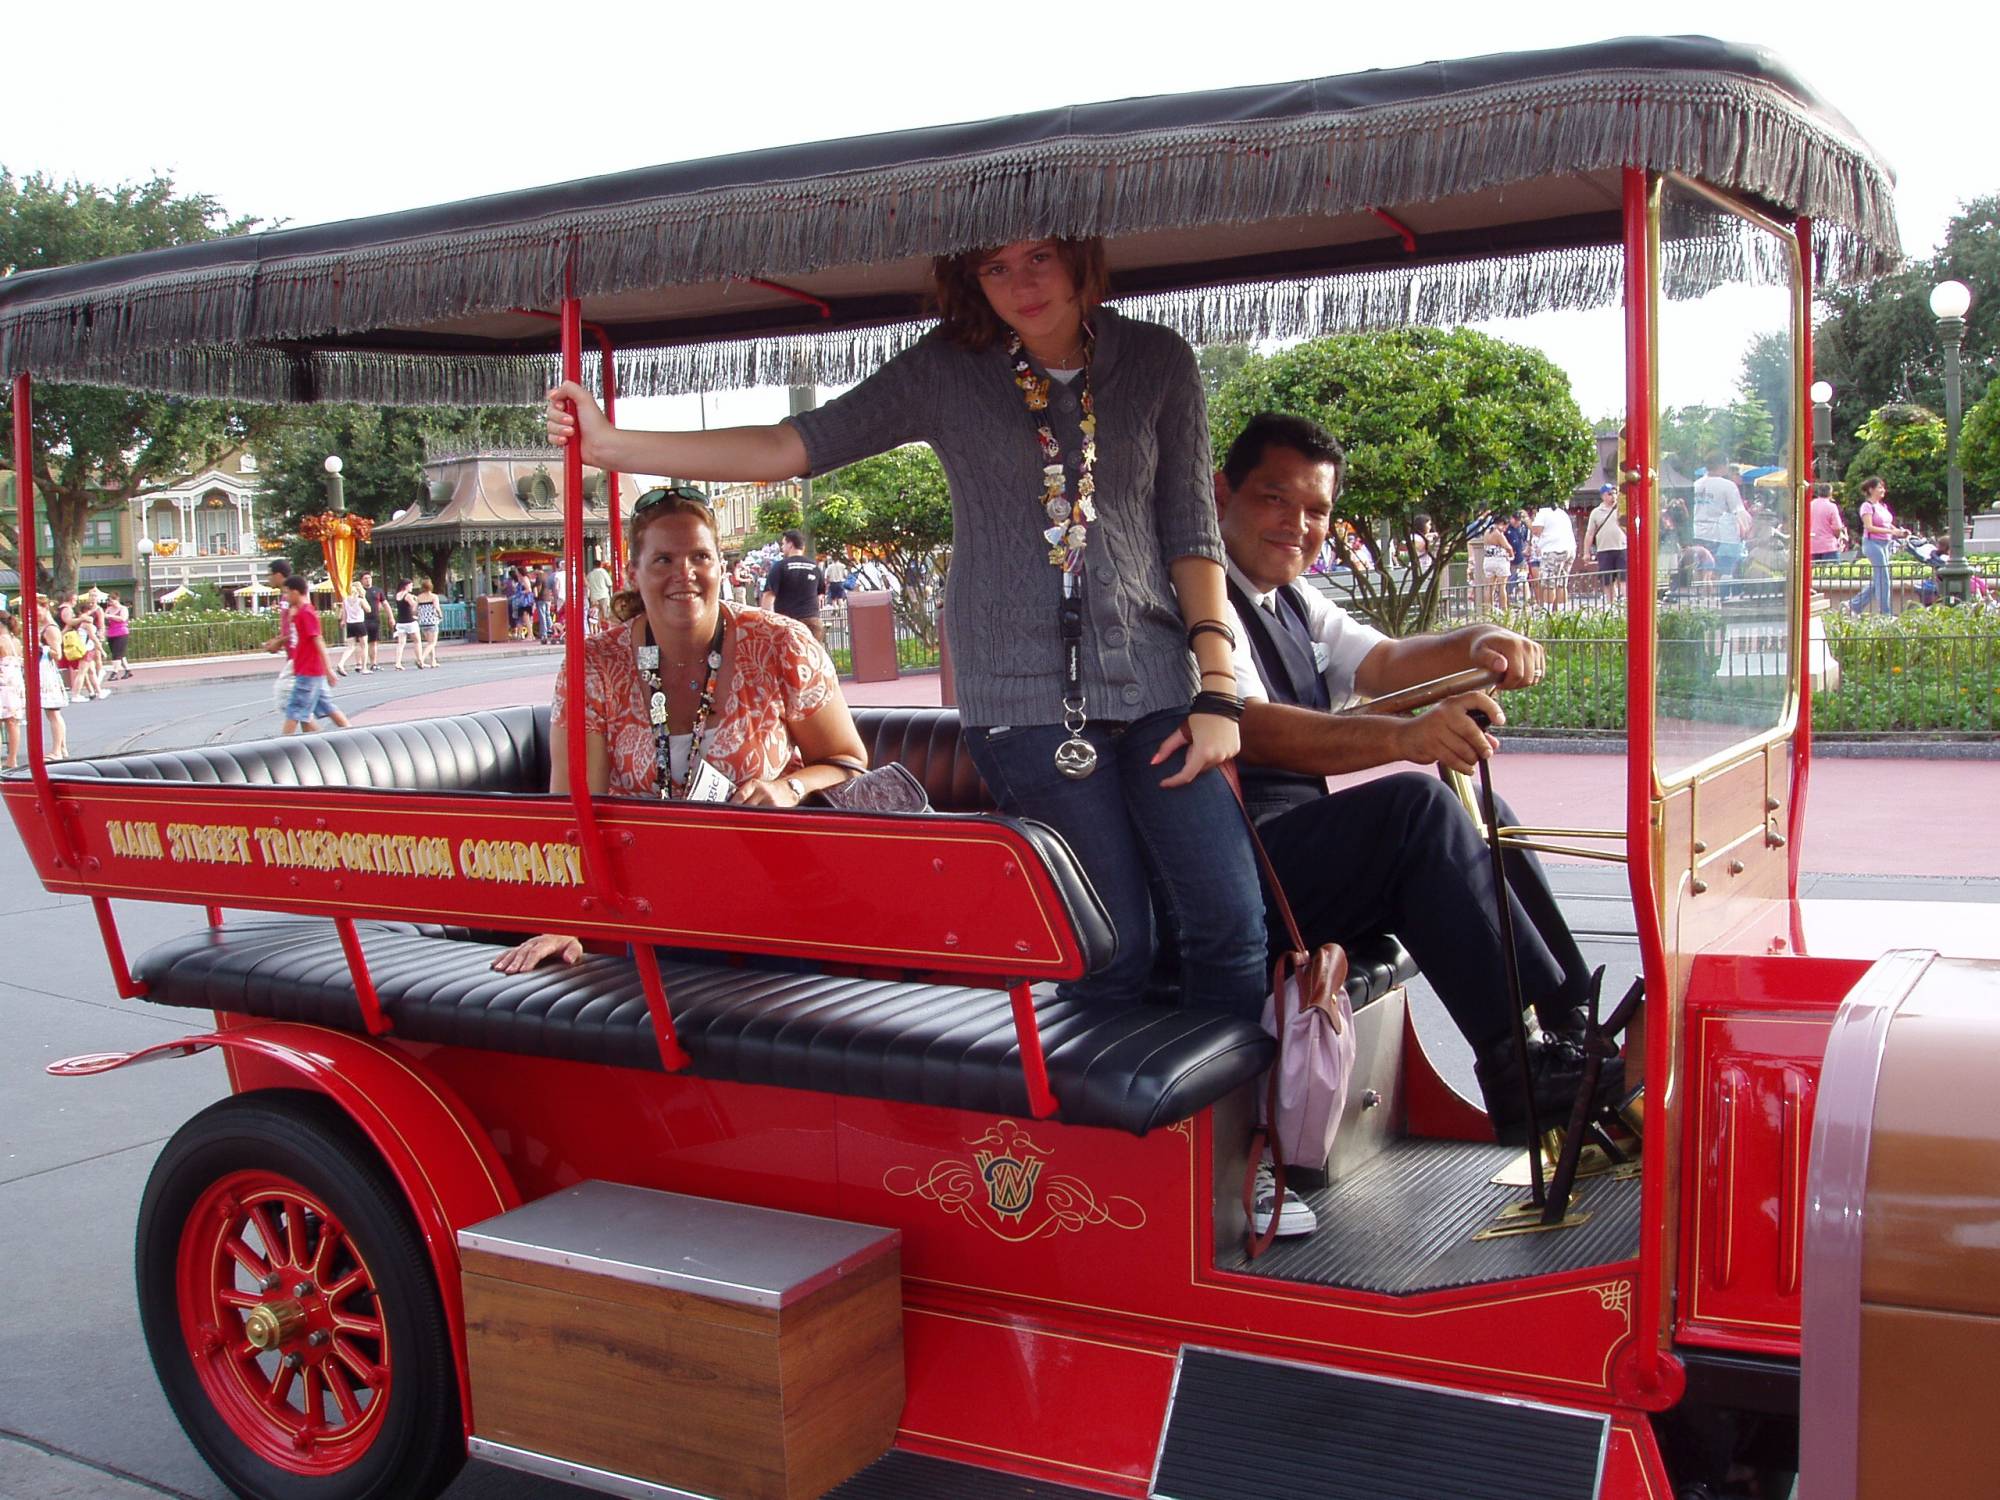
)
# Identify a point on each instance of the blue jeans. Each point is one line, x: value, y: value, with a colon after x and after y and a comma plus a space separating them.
x: 1128, y: 832
x: 1877, y: 588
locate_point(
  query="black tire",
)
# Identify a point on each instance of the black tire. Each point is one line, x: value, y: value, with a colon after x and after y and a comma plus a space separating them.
x: 409, y: 1448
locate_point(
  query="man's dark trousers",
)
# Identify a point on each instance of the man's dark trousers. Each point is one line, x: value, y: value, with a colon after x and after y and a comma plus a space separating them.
x: 1400, y: 855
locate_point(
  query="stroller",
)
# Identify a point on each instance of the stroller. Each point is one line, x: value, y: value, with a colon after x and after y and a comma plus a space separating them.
x: 1933, y: 557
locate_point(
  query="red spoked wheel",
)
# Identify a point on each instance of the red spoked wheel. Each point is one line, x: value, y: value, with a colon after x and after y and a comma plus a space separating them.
x: 291, y: 1311
x: 281, y: 1319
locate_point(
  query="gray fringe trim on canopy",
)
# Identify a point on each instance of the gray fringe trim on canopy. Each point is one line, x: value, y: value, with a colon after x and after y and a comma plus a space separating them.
x: 200, y: 333
x: 1713, y: 251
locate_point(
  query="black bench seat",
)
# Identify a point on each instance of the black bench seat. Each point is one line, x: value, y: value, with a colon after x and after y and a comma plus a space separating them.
x: 1133, y: 1069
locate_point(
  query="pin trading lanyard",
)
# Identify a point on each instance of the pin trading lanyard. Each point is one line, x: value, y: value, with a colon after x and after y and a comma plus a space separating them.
x: 648, y: 657
x: 1067, y: 534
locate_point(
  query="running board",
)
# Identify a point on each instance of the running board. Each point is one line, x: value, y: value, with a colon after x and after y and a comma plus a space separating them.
x: 1256, y: 1429
x: 894, y: 1476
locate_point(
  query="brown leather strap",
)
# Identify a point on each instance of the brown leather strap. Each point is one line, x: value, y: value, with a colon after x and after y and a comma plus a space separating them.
x: 1228, y: 769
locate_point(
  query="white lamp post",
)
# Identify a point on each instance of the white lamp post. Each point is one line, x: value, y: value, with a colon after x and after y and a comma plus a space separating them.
x: 336, y: 490
x: 1950, y: 301
x: 145, y: 547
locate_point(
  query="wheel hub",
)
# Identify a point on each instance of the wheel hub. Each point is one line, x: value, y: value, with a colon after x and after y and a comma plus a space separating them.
x: 269, y: 1325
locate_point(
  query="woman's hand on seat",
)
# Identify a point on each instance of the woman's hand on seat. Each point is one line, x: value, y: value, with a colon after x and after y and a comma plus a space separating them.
x: 537, y: 950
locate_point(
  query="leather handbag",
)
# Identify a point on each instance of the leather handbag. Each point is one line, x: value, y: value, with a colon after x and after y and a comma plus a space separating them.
x: 1310, y: 1015
x: 890, y: 788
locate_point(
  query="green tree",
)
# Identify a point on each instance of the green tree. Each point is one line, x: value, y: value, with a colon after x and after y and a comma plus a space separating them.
x: 895, y: 508
x: 95, y: 447
x: 1878, y: 343
x: 777, y: 515
x: 1979, y: 451
x: 1454, y: 425
x: 1217, y: 362
x: 383, y: 450
x: 1767, y: 376
x: 1905, y: 445
x: 1751, y: 431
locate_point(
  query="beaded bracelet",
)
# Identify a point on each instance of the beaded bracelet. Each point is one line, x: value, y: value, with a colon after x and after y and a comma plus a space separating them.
x: 1222, y: 705
x: 1210, y: 627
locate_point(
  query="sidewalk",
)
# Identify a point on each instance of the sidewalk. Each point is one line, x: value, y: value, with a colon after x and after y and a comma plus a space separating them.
x: 1878, y: 815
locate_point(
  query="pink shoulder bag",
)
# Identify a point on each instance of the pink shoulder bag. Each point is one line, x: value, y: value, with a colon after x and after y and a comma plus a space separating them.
x: 1308, y: 1012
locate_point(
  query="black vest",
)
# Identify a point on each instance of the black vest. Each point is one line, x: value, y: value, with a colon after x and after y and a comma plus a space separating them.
x: 1284, y: 654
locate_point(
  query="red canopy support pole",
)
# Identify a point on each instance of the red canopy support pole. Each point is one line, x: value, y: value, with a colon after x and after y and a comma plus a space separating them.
x: 1803, y: 460
x: 1649, y: 1377
x: 28, y: 624
x: 672, y: 1056
x: 365, y: 998
x: 1034, y: 1065
x: 615, y: 533
x: 589, y: 839
x: 114, y: 951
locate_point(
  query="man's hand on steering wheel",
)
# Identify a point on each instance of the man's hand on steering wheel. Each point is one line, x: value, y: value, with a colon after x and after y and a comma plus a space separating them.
x: 1448, y: 735
x: 1519, y: 661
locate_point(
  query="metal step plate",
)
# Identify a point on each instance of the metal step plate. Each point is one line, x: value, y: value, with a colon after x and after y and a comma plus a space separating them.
x: 1255, y: 1429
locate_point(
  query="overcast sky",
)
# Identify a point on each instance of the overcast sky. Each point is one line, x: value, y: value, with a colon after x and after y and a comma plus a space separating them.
x: 315, y: 113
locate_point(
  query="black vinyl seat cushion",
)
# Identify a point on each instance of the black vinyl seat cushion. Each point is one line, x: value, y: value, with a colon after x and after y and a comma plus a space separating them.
x: 1133, y: 1069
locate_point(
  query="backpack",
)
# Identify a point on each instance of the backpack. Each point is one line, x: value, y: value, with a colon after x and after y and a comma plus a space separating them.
x: 72, y: 645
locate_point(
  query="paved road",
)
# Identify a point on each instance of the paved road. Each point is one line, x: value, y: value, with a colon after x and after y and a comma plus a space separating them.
x: 80, y: 1412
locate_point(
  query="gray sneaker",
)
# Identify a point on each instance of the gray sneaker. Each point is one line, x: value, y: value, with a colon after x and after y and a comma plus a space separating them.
x: 1294, y: 1218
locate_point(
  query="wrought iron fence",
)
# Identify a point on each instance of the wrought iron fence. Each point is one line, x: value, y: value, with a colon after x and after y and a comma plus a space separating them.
x: 913, y: 652
x: 156, y: 639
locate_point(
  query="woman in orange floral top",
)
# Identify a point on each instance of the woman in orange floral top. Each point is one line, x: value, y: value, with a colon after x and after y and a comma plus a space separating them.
x: 689, y: 697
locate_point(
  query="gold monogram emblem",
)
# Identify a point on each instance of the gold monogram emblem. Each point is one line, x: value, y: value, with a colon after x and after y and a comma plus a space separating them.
x: 1007, y: 1190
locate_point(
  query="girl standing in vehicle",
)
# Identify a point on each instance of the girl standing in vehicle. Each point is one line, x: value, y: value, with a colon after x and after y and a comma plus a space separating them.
x: 1086, y: 611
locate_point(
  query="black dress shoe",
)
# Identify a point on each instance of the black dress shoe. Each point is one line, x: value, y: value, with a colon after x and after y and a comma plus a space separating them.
x: 1555, y: 1069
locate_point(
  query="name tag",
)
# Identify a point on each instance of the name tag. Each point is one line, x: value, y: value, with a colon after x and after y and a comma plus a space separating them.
x: 1319, y: 656
x: 710, y: 785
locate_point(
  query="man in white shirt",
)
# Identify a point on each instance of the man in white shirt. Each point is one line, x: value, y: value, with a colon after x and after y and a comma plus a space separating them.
x: 1396, y: 854
x: 1555, y: 545
x: 1721, y: 520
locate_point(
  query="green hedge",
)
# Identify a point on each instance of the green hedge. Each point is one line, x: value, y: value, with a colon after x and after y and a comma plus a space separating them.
x: 1924, y: 671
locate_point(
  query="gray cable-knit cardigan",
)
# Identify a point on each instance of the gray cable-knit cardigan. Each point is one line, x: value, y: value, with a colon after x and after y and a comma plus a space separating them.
x: 1155, y: 503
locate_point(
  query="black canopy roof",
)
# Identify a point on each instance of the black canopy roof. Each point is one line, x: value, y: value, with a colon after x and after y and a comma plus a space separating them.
x: 1232, y: 213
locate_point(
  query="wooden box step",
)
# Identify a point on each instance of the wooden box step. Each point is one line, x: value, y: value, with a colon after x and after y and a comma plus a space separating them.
x: 693, y: 1346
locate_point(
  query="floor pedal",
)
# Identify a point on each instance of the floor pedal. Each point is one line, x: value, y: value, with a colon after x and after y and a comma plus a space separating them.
x: 1254, y: 1429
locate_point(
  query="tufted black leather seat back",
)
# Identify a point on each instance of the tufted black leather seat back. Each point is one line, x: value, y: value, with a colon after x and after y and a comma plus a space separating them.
x: 927, y: 741
x: 503, y: 750
x: 498, y: 750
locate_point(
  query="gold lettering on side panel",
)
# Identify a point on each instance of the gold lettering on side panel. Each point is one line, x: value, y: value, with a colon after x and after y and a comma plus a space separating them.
x: 513, y: 862
x: 134, y: 838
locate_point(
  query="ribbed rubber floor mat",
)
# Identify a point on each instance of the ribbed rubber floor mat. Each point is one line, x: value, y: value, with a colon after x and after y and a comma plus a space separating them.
x: 1247, y: 1429
x: 1404, y: 1223
x: 912, y: 1476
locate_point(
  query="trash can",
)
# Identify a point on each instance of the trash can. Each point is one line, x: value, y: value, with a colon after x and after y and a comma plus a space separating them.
x: 489, y: 618
x: 871, y: 635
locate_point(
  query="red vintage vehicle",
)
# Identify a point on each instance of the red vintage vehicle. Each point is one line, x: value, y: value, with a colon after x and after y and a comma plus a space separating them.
x: 819, y: 1189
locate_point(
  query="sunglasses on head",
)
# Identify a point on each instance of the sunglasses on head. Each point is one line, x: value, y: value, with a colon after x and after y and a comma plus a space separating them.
x: 666, y: 493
